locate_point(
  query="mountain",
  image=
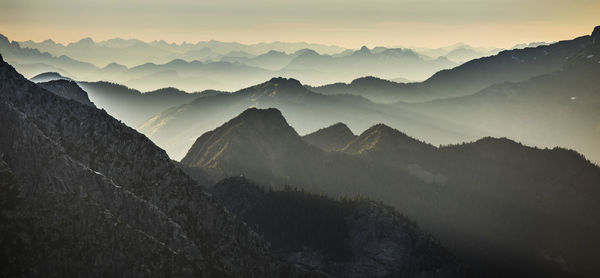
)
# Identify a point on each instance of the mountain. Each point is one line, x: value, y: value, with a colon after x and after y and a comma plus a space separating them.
x: 134, y: 107
x: 556, y: 109
x: 331, y: 138
x: 177, y: 128
x: 272, y: 60
x: 370, y: 87
x: 316, y: 69
x: 343, y: 238
x: 48, y: 76
x: 33, y: 62
x: 67, y: 89
x: 509, y: 209
x: 134, y: 52
x: 459, y: 52
x: 96, y: 198
x: 507, y: 66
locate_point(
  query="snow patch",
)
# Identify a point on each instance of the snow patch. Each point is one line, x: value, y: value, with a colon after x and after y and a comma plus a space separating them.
x: 590, y: 56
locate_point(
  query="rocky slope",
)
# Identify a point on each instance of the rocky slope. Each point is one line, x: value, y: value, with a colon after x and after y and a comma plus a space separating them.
x: 105, y: 201
x: 344, y: 238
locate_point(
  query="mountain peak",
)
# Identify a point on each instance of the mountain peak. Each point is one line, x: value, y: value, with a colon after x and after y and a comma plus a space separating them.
x: 381, y: 137
x: 334, y: 137
x: 262, y: 135
x: 256, y: 114
x: 306, y: 52
x: 48, y: 76
x: 282, y: 81
x: 596, y: 35
x: 363, y: 51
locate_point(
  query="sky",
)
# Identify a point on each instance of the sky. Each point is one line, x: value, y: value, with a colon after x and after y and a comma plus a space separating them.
x: 347, y: 23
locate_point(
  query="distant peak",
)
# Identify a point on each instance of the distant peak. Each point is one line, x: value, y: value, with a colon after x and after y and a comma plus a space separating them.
x: 363, y: 51
x: 275, y: 52
x: 337, y: 128
x: 496, y: 141
x: 596, y: 35
x: 283, y: 82
x: 254, y: 112
x: 367, y: 79
x: 86, y: 40
x: 307, y: 52
x: 381, y: 128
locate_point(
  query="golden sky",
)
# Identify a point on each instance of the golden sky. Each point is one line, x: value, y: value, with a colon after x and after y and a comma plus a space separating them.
x: 349, y: 23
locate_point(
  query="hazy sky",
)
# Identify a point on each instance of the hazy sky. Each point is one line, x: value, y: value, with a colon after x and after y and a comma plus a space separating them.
x: 349, y: 23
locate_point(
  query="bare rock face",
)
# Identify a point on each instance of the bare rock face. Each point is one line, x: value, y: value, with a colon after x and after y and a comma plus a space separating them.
x: 104, y: 201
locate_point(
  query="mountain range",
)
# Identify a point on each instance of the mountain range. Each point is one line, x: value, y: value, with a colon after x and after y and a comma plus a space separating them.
x: 445, y: 109
x: 85, y: 195
x: 496, y: 203
x: 238, y: 69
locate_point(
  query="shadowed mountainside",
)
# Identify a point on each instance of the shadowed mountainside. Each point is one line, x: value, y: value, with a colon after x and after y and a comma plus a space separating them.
x: 492, y: 194
x: 99, y: 199
x: 344, y: 238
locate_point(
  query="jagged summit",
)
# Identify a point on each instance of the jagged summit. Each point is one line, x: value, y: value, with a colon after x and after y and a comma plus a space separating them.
x: 334, y: 137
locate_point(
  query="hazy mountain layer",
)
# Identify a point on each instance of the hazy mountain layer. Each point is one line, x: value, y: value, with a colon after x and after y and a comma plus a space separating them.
x: 176, y: 128
x: 134, y: 52
x: 203, y: 68
x: 469, y: 78
x: 132, y: 106
x: 504, y: 206
x: 557, y: 109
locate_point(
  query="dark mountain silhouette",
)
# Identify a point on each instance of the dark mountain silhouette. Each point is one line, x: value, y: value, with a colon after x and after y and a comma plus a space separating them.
x: 67, y: 89
x: 510, y: 65
x: 331, y: 138
x: 98, y: 199
x: 506, y: 207
x: 344, y: 238
x: 176, y: 129
x: 48, y: 76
